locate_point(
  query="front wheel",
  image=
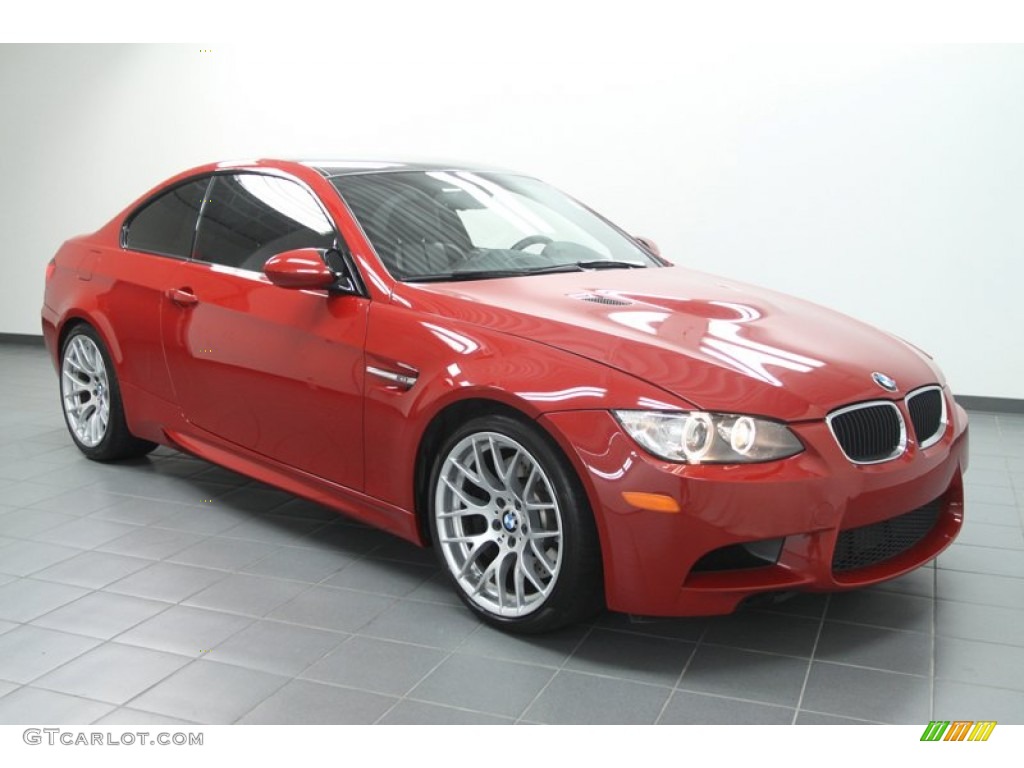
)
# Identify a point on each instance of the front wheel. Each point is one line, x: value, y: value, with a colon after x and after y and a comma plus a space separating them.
x: 512, y: 527
x: 92, y: 400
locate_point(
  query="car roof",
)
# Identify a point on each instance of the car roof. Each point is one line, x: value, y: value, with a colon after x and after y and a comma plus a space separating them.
x: 332, y: 168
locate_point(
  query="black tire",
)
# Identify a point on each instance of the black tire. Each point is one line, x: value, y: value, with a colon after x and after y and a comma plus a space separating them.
x: 88, y: 381
x: 514, y: 527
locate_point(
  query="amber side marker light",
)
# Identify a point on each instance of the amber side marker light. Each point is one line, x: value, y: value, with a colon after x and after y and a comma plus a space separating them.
x: 654, y: 502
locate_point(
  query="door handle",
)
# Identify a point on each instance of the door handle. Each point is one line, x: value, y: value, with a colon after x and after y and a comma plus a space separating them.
x: 183, y: 297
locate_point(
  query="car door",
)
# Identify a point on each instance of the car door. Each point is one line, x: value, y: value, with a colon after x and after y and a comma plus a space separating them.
x: 275, y: 370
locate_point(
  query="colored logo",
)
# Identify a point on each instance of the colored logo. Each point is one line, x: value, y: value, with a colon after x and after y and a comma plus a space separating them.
x: 888, y: 383
x: 958, y: 730
x: 510, y: 521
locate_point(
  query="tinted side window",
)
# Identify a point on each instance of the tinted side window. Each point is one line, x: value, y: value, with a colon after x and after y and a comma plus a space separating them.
x: 249, y: 218
x: 166, y: 225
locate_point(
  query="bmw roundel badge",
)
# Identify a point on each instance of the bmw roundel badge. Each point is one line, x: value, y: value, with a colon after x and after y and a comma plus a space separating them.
x: 888, y: 383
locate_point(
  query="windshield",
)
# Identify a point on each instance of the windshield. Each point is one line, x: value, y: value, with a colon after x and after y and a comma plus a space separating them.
x: 459, y: 225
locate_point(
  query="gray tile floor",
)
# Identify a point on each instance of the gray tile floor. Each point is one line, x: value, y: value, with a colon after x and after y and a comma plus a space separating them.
x: 169, y: 590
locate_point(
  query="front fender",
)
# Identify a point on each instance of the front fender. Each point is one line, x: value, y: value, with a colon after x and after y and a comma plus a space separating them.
x: 453, y: 362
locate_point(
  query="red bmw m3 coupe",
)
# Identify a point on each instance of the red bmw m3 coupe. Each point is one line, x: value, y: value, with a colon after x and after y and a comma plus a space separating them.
x: 474, y: 361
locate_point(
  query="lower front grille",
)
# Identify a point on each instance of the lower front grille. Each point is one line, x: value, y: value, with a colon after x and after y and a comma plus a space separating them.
x: 878, y: 542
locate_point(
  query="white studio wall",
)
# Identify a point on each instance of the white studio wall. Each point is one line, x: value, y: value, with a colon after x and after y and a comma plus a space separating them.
x: 885, y: 182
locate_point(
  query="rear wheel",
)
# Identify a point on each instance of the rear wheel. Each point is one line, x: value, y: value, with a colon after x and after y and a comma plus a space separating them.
x: 92, y: 400
x: 512, y: 527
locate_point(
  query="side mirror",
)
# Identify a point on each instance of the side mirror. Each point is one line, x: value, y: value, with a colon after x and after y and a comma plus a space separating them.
x: 649, y: 244
x: 299, y: 268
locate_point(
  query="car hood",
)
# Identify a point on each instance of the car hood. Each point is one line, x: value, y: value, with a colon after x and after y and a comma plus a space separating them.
x: 717, y: 344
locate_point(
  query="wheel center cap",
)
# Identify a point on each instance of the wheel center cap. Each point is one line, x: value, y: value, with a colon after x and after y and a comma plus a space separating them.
x: 510, y: 520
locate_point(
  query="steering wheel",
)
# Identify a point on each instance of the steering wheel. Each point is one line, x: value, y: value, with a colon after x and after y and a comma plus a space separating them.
x: 526, y: 242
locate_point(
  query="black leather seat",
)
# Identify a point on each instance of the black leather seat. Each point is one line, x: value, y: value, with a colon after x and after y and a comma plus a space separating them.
x: 418, y: 235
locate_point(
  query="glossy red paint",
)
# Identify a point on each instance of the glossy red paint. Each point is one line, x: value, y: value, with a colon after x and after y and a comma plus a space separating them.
x: 808, y: 499
x: 301, y: 268
x: 276, y: 383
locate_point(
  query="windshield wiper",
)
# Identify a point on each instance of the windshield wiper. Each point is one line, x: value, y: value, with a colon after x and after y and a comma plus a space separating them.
x: 468, y: 274
x: 610, y: 264
x: 489, y: 274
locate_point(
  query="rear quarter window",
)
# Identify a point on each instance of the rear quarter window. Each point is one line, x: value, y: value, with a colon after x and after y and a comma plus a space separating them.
x: 166, y: 225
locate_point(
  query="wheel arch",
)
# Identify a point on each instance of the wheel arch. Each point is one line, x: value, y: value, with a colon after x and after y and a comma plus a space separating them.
x: 440, y: 426
x: 74, y: 319
x: 443, y: 423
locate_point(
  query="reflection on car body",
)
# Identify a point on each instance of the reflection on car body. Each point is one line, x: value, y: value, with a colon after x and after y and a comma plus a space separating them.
x: 472, y: 360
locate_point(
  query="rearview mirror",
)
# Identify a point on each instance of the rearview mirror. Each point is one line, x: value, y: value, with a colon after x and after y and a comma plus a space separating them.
x: 299, y: 268
x: 649, y: 244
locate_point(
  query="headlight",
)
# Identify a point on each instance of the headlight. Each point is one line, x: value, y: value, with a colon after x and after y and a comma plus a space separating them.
x: 696, y: 437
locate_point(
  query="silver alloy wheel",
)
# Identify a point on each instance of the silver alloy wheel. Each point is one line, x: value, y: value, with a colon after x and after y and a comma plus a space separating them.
x: 499, y: 524
x: 85, y: 389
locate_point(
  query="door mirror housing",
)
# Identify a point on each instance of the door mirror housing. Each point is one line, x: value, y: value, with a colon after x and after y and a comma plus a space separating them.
x: 307, y: 268
x: 299, y: 268
x: 649, y: 244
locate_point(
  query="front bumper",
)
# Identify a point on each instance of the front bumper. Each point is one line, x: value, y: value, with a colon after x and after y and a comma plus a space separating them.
x: 655, y: 563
